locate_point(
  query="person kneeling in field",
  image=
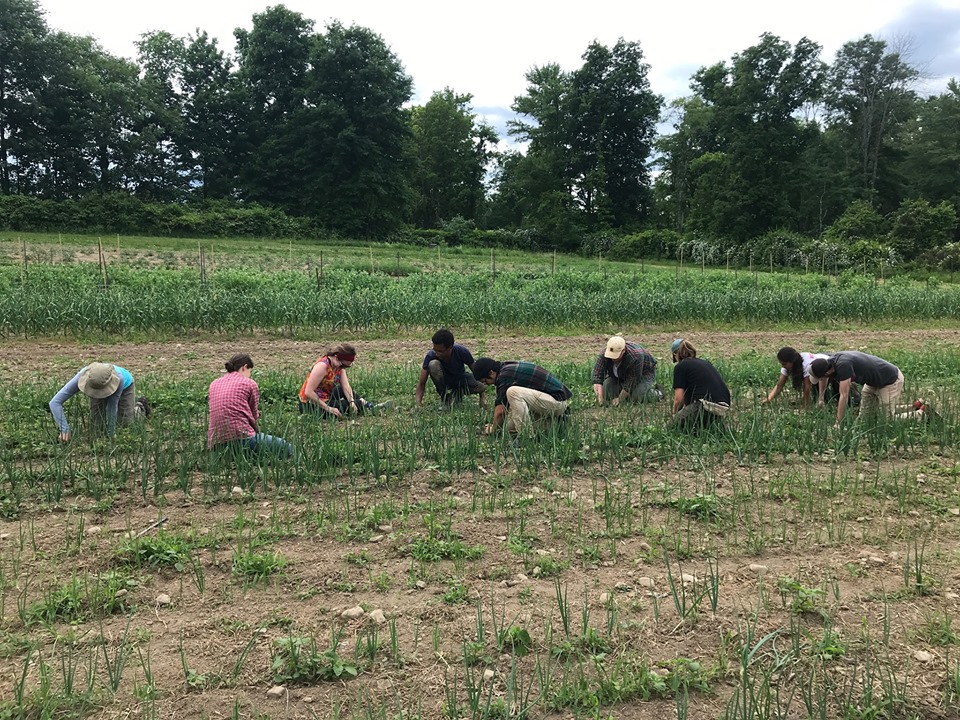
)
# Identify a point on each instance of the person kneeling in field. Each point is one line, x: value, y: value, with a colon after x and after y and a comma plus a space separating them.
x: 327, y: 389
x: 448, y: 365
x: 882, y: 384
x: 625, y: 371
x: 525, y: 392
x: 234, y: 411
x: 795, y: 366
x: 112, y: 394
x: 700, y: 396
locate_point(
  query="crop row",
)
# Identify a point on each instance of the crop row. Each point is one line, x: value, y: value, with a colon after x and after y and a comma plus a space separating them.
x: 47, y: 300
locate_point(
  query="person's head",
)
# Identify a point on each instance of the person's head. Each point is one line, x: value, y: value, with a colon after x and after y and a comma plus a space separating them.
x: 682, y: 350
x: 241, y: 363
x: 821, y: 368
x: 615, y: 348
x: 485, y: 370
x: 344, y: 354
x: 791, y: 361
x: 99, y: 380
x: 443, y: 343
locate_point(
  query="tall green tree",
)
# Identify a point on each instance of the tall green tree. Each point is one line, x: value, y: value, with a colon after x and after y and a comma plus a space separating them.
x: 869, y: 98
x: 612, y: 115
x: 211, y: 115
x: 354, y: 134
x: 159, y: 173
x: 273, y: 60
x: 452, y: 152
x: 22, y: 32
x: 745, y: 183
x: 932, y: 148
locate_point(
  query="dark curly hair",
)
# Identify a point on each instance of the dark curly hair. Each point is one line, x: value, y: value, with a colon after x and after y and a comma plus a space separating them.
x: 788, y: 354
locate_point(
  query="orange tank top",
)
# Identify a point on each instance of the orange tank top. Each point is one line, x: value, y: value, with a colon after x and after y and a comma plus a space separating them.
x: 326, y: 384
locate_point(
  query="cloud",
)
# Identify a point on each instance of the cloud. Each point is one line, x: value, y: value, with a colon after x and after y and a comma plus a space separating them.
x: 932, y: 34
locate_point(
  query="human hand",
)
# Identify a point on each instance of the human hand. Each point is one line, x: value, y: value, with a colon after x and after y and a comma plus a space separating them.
x: 65, y: 437
x: 335, y: 412
x: 488, y: 429
x: 616, y: 402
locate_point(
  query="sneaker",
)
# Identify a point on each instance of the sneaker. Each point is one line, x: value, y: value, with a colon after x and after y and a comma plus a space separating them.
x: 924, y: 408
x: 144, y: 405
x: 381, y: 406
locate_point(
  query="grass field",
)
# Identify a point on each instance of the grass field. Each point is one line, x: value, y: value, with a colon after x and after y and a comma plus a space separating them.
x: 778, y: 569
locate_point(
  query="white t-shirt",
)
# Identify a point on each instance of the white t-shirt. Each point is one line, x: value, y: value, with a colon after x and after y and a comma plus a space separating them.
x: 808, y: 359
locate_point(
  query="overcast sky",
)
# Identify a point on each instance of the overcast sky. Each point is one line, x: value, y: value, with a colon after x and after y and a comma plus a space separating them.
x: 485, y: 47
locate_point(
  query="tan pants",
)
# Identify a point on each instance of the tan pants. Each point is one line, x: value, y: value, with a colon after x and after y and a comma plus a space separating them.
x: 522, y: 403
x: 128, y: 411
x: 883, y: 397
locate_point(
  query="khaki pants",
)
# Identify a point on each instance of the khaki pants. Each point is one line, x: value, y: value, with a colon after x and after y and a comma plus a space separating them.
x: 642, y: 390
x: 127, y: 410
x: 522, y: 403
x: 699, y: 413
x: 883, y: 397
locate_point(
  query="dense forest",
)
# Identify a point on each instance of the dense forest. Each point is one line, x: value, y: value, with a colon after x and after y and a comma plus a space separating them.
x: 775, y: 154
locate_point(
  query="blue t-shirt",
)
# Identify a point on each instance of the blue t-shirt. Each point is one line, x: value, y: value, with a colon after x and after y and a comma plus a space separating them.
x: 73, y: 387
x: 460, y: 360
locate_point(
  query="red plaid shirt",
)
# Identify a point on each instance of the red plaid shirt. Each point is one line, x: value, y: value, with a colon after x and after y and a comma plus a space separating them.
x: 234, y: 409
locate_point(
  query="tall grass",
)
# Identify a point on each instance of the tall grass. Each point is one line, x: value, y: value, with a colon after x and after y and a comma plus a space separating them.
x: 78, y: 300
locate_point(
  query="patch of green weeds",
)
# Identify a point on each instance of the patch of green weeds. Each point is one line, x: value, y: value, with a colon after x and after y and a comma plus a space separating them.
x: 257, y: 567
x: 515, y: 639
x: 297, y: 659
x: 937, y: 629
x: 358, y: 559
x: 382, y: 581
x: 455, y: 594
x: 802, y: 599
x: 431, y: 549
x: 81, y: 599
x: 156, y: 551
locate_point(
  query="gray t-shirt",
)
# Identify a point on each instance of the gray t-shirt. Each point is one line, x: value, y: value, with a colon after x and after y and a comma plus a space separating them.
x: 864, y: 369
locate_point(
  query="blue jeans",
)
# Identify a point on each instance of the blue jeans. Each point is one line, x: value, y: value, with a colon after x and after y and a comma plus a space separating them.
x: 262, y: 444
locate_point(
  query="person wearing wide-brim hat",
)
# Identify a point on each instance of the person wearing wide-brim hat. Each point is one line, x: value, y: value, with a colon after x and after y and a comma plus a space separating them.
x: 625, y: 371
x: 112, y: 395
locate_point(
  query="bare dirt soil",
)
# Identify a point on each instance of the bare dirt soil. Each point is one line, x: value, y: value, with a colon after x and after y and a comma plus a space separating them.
x: 198, y: 356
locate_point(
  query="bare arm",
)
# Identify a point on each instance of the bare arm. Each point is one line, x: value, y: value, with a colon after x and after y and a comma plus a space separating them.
x: 313, y: 382
x: 842, y: 400
x: 421, y: 386
x: 781, y: 381
x: 347, y: 390
x: 807, y: 386
x: 677, y: 399
x: 598, y: 391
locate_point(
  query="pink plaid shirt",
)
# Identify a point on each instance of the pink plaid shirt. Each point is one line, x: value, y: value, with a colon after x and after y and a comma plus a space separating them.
x: 234, y: 409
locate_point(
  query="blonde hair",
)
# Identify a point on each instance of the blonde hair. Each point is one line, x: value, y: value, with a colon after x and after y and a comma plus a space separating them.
x: 686, y: 350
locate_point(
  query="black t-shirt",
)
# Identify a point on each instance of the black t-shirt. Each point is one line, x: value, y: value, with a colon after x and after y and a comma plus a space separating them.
x: 865, y: 369
x: 699, y: 380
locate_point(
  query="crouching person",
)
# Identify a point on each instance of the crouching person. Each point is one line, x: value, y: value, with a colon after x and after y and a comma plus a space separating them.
x: 700, y: 396
x: 234, y: 411
x: 526, y: 393
x: 112, y: 394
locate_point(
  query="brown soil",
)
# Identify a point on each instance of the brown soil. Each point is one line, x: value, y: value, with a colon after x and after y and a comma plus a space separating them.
x: 199, y: 356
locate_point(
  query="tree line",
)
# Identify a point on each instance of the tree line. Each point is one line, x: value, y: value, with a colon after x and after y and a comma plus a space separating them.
x: 774, y: 152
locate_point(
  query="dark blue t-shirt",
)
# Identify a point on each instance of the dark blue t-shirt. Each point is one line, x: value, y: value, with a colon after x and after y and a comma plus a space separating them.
x: 460, y: 360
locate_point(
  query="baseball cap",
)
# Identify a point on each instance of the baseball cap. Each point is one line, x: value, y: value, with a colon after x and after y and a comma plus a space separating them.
x: 615, y: 346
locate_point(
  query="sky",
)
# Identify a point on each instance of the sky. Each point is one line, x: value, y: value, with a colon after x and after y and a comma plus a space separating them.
x: 486, y: 48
